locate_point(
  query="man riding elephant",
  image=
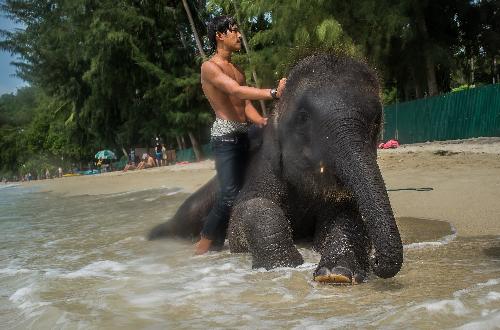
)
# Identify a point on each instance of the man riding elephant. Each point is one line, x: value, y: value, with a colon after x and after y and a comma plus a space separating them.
x: 224, y: 86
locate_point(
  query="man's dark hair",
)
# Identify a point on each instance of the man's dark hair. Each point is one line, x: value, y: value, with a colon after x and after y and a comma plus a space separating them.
x: 218, y: 24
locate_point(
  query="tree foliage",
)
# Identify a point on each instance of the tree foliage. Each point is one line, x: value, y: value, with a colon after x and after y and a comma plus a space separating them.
x: 116, y: 73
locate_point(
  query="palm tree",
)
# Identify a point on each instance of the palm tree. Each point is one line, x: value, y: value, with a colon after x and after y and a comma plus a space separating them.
x: 194, y: 141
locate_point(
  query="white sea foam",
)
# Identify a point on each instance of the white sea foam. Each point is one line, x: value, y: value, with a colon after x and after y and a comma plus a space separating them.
x: 154, y: 269
x: 490, y: 321
x: 6, y: 186
x: 50, y: 243
x: 493, y: 296
x: 307, y: 265
x: 52, y: 273
x: 454, y: 306
x: 21, y: 294
x: 97, y: 269
x: 475, y: 287
x: 149, y: 300
x: 129, y: 239
x: 167, y: 191
x: 491, y: 282
x: 14, y: 271
x: 443, y: 241
x: 24, y: 298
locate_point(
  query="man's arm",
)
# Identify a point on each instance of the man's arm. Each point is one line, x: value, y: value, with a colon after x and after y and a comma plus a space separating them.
x: 211, y: 73
x: 253, y: 115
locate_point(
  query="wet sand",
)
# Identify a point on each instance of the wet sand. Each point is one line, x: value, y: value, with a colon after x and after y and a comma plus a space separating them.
x: 464, y: 176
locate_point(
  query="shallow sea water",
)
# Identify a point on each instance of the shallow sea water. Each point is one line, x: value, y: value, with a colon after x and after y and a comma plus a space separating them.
x: 83, y: 263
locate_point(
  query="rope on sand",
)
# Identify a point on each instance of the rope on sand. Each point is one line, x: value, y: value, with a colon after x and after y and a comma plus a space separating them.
x: 412, y: 189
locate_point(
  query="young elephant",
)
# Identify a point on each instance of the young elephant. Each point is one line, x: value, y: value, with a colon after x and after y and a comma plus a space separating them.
x: 314, y: 177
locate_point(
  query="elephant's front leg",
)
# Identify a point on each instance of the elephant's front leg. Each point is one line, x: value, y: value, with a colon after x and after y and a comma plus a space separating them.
x: 343, y: 242
x: 262, y: 228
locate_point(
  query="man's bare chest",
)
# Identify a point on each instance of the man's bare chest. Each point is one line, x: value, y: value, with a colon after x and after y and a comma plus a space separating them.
x: 231, y: 71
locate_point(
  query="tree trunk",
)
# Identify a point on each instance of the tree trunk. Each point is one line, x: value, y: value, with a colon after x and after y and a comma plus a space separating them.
x: 247, y: 49
x: 429, y: 61
x: 416, y: 84
x: 431, y: 74
x: 196, y: 147
x: 179, y: 143
x: 472, y: 70
x: 183, y: 142
x: 494, y: 69
x: 418, y: 91
x: 125, y: 152
x: 183, y: 39
x: 193, y: 28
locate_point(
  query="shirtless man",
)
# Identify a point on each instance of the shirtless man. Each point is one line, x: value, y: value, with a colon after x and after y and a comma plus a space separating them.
x: 224, y: 86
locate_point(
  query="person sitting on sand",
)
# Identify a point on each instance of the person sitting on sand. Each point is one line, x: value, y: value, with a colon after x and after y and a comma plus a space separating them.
x: 147, y: 162
x: 129, y: 167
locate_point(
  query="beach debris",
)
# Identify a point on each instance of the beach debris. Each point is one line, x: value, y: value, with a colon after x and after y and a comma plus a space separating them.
x: 391, y: 144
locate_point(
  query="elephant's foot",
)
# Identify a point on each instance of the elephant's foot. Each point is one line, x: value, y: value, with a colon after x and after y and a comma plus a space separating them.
x: 338, y: 275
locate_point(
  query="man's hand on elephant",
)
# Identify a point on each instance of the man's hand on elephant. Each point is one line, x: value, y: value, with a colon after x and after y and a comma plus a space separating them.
x: 281, y: 87
x: 262, y: 122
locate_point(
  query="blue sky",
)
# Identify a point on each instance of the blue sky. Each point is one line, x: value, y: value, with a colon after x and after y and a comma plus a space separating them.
x: 8, y: 83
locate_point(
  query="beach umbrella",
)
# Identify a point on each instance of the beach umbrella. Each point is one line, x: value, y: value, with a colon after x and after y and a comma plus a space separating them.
x: 105, y: 154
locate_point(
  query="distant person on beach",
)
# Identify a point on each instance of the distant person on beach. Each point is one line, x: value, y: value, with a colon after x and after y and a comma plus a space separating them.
x: 131, y: 156
x: 158, y: 153
x: 146, y: 162
x: 164, y: 155
x: 224, y: 86
x: 60, y: 172
x: 47, y: 174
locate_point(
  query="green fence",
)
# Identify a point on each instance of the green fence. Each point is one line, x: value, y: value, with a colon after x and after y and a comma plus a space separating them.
x: 460, y: 115
x: 187, y: 155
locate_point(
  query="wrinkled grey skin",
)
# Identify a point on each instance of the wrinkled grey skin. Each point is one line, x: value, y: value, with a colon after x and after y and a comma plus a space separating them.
x: 313, y: 177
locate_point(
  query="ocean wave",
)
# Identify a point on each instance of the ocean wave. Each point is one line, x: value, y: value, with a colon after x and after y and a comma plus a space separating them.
x: 154, y: 269
x: 454, y: 306
x: 97, y: 269
x: 165, y: 191
x: 443, y: 241
x: 476, y: 287
x: 492, y: 296
x: 489, y: 321
x: 6, y: 186
x: 14, y: 271
x: 24, y: 298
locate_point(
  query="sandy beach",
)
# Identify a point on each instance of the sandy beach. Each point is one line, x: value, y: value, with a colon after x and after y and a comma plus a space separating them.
x: 464, y: 176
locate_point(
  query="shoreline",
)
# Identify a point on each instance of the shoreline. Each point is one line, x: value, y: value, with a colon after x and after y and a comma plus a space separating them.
x: 464, y: 176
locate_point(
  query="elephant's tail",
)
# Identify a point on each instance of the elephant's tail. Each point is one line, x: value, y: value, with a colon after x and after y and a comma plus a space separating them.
x: 162, y: 230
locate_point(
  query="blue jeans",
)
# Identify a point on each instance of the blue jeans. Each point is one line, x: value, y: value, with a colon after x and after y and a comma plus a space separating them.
x: 231, y: 154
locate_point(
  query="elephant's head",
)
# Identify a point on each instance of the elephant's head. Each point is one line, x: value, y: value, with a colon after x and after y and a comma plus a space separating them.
x: 328, y: 122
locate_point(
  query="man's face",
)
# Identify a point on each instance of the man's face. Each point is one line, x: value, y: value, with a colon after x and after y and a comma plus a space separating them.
x: 232, y: 38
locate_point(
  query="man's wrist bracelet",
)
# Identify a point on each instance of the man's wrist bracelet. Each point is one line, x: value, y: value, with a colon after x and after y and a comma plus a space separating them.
x: 274, y: 93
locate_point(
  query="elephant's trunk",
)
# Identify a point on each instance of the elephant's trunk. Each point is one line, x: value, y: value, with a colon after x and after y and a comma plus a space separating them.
x: 359, y: 172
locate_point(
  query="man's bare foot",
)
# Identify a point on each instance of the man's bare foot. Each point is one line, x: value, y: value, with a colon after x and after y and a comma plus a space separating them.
x: 202, y: 246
